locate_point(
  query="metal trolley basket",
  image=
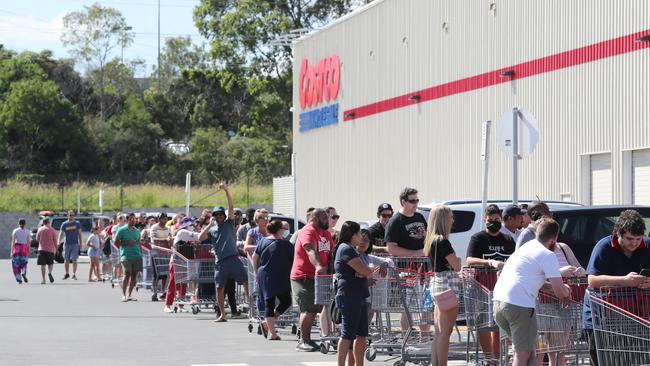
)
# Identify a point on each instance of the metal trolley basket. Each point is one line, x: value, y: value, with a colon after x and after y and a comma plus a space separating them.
x: 621, y: 325
x: 478, y: 285
x: 324, y: 295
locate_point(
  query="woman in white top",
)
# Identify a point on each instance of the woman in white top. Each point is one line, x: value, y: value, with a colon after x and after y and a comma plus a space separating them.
x: 20, y: 239
x: 94, y: 253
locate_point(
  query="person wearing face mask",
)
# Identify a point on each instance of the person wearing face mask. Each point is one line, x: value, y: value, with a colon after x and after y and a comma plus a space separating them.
x: 490, y: 248
x: 286, y: 230
x: 272, y: 262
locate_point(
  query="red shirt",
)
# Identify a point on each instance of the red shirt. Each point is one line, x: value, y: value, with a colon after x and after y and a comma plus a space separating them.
x: 322, y: 240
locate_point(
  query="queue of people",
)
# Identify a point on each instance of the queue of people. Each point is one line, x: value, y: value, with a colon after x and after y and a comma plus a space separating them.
x: 520, y: 242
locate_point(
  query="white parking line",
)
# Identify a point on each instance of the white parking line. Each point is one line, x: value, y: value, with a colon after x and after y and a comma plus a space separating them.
x: 221, y: 364
x: 319, y: 363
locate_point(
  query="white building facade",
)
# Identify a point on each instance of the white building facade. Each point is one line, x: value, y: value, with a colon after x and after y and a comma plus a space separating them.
x: 395, y: 94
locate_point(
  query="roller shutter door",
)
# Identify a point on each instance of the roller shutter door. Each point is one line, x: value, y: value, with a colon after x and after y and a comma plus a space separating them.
x: 601, y: 179
x: 641, y: 177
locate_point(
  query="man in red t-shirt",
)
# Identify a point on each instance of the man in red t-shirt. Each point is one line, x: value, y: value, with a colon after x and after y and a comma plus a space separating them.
x: 311, y: 254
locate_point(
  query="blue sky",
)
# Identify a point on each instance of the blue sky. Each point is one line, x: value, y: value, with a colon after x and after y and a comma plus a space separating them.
x: 36, y: 25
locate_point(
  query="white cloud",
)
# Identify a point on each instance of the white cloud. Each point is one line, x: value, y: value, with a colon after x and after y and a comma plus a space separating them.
x: 21, y: 33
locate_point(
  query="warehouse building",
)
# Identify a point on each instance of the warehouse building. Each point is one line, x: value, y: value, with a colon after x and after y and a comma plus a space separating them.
x: 396, y: 93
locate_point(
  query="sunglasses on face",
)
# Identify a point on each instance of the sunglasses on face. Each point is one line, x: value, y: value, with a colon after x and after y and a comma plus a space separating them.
x: 335, y: 217
x: 387, y: 216
x: 414, y: 201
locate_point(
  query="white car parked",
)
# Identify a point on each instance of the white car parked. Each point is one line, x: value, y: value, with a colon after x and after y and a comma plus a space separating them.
x: 468, y: 218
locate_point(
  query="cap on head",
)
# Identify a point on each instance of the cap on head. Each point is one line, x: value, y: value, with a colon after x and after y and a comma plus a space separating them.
x: 187, y: 222
x: 511, y: 211
x: 384, y: 206
x: 218, y: 210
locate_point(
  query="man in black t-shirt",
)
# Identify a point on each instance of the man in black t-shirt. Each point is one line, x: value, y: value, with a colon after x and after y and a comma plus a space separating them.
x: 406, y: 230
x: 405, y: 235
x: 490, y: 248
x: 378, y: 231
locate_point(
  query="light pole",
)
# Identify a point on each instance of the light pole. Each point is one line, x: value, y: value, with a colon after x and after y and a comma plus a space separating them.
x: 158, y: 45
x: 125, y: 29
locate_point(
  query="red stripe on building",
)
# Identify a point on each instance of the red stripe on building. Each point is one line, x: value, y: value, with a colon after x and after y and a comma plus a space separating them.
x: 578, y: 56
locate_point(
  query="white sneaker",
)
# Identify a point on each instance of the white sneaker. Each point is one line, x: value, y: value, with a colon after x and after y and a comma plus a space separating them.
x: 124, y: 299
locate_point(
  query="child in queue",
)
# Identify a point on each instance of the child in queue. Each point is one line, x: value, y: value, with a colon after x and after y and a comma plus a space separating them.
x: 94, y: 253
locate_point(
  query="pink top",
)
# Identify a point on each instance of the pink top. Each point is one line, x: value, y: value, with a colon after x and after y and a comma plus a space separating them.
x: 46, y: 237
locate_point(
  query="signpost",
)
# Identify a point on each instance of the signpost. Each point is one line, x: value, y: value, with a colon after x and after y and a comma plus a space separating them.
x: 485, y: 156
x: 517, y: 136
x: 188, y: 182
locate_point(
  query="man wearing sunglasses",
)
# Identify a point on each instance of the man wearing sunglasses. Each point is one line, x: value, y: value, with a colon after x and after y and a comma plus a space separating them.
x: 221, y: 232
x: 406, y: 230
x: 378, y: 229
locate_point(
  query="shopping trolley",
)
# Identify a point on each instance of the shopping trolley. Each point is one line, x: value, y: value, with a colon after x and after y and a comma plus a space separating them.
x: 116, y: 278
x: 145, y: 278
x: 621, y: 325
x: 478, y: 285
x: 386, y: 300
x: 194, y: 268
x: 160, y: 258
x: 413, y: 291
x: 557, y: 320
x: 324, y: 289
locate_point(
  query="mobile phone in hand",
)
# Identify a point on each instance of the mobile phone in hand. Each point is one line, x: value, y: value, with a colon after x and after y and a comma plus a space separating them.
x: 645, y: 272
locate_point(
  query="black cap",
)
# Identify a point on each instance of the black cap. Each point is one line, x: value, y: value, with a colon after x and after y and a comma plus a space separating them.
x: 511, y: 211
x: 384, y: 206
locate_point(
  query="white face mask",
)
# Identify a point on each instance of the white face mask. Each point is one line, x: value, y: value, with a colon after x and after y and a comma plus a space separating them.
x: 286, y: 234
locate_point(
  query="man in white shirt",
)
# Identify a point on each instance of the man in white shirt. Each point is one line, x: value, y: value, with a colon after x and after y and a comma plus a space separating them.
x: 516, y: 290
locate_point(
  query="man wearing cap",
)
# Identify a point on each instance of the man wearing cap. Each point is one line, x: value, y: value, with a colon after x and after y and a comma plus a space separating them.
x: 512, y: 219
x: 221, y: 232
x: 490, y: 248
x: 536, y: 211
x: 378, y: 229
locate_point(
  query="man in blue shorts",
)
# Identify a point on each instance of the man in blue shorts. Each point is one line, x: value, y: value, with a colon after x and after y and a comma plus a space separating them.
x: 71, y: 230
x: 221, y: 233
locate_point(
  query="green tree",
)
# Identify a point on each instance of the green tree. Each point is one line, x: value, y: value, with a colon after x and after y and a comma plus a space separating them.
x: 41, y: 131
x: 178, y: 55
x: 94, y: 34
x: 243, y: 31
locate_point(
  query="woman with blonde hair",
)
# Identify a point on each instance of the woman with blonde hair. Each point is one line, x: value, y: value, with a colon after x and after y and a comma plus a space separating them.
x: 445, y: 264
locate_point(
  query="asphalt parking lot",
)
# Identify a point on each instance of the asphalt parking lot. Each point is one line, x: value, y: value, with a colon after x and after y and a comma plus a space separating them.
x: 81, y: 323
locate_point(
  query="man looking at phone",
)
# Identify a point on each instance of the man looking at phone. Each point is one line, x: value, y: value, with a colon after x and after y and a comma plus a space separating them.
x: 617, y: 260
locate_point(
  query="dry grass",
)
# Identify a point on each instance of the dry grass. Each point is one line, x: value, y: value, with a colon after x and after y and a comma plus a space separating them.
x: 22, y: 197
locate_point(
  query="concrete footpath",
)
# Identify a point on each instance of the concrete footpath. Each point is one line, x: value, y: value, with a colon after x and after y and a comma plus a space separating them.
x: 81, y: 323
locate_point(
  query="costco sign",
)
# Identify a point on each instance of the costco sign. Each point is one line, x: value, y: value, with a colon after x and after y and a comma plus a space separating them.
x: 319, y: 83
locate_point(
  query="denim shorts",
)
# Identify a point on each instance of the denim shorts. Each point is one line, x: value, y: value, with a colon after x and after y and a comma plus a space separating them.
x: 354, y: 317
x: 230, y: 268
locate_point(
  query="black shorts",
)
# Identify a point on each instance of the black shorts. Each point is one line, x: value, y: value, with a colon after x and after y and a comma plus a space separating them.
x: 44, y: 258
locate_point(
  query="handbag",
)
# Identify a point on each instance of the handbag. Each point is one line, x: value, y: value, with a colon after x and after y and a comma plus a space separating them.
x: 58, y: 255
x: 444, y: 300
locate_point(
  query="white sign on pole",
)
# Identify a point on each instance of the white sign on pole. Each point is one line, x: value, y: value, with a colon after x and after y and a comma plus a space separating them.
x: 101, y: 201
x: 528, y: 133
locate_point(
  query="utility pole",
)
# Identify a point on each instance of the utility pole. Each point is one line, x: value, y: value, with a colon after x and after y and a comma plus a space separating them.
x: 158, y: 45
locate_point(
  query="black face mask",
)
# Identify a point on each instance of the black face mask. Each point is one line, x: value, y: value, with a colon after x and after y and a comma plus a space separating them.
x: 493, y: 226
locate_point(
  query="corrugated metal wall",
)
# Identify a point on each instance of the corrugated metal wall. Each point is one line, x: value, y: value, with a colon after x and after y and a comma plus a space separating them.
x: 401, y: 46
x: 283, y: 195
